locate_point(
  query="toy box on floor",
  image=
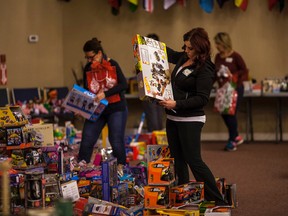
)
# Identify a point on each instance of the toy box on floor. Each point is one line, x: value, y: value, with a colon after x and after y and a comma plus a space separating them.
x: 152, y: 69
x: 218, y: 211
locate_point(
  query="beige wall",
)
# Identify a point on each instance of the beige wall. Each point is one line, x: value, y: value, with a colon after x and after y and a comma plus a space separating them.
x: 258, y: 34
x: 38, y: 64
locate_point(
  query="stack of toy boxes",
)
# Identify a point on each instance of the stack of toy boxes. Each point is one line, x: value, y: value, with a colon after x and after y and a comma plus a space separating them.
x: 152, y: 69
x: 160, y: 178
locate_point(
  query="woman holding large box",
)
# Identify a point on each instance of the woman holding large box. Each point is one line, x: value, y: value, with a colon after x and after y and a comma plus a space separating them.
x: 192, y: 81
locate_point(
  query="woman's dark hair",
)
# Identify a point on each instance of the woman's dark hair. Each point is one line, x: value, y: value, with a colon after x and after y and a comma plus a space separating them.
x: 93, y: 45
x: 199, y: 41
x: 153, y: 36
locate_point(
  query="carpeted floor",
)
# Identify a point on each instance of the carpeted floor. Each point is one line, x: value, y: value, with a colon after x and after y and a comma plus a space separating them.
x: 260, y: 171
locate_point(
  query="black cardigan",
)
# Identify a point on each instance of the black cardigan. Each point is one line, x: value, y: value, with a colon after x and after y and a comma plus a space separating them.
x: 191, y: 86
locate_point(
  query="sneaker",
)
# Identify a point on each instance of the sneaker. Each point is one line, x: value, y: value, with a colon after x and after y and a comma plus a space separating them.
x: 239, y: 140
x: 231, y: 146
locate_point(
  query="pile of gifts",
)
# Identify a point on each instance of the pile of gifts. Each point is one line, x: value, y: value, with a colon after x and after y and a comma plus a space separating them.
x: 99, y: 188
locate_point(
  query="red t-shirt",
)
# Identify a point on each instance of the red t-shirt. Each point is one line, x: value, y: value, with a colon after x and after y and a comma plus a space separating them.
x: 236, y: 65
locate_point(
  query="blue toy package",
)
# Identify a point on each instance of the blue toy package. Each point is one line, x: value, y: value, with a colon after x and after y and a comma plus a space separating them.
x: 80, y: 100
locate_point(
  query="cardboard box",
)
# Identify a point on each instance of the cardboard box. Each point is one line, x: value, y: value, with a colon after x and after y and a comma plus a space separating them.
x: 161, y: 172
x: 156, y: 196
x: 81, y: 101
x: 69, y: 190
x: 192, y: 192
x: 152, y: 68
x: 43, y: 134
x: 159, y: 137
x: 12, y: 116
x: 109, y: 172
x: 119, y: 194
x: 155, y: 152
x: 174, y: 212
x: 218, y: 211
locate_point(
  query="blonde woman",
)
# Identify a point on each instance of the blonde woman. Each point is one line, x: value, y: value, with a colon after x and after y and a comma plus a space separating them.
x: 237, y: 72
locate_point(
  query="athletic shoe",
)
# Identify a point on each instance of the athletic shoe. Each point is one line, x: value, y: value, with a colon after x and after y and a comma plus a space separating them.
x: 239, y: 140
x: 231, y: 146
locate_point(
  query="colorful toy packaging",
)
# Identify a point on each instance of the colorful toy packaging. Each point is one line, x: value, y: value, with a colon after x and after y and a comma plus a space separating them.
x: 192, y: 192
x: 152, y: 69
x: 156, y: 196
x: 218, y: 211
x: 155, y: 152
x: 81, y: 101
x: 161, y: 172
x: 42, y: 134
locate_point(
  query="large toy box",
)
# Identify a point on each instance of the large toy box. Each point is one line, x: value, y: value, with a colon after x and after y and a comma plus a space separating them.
x: 152, y: 68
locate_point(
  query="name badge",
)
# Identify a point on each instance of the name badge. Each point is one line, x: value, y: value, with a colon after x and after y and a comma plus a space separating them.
x: 229, y: 60
x: 186, y: 72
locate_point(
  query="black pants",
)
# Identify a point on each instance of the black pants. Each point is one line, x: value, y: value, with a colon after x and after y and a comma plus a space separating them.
x: 184, y: 143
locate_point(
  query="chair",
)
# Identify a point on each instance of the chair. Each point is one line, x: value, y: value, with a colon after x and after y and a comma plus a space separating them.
x: 25, y: 94
x: 61, y: 92
x: 4, y: 96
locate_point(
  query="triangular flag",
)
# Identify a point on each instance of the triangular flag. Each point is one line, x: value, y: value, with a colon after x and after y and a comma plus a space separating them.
x: 221, y: 2
x: 168, y: 3
x: 148, y: 5
x: 182, y: 2
x: 242, y: 4
x: 133, y: 5
x: 207, y: 5
x: 271, y: 4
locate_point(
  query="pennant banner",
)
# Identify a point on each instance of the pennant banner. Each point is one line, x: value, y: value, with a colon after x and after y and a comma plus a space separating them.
x: 168, y: 3
x: 133, y: 5
x: 242, y: 4
x: 148, y: 5
x: 207, y: 5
